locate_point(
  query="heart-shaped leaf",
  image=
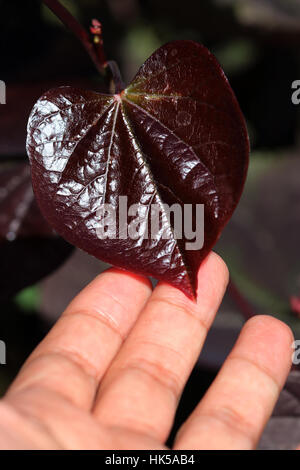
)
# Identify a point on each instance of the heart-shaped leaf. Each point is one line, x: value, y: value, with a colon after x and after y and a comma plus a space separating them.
x: 176, y: 135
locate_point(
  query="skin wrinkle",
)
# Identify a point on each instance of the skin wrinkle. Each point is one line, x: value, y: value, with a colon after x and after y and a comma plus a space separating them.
x: 105, y: 318
x: 160, y: 374
x: 227, y: 417
x: 137, y: 362
x: 140, y: 428
x: 231, y: 418
x: 177, y: 307
x: 69, y: 356
x: 78, y: 359
x: 31, y: 420
x: 266, y: 372
x: 14, y: 397
x: 36, y: 413
x: 29, y: 384
x: 166, y: 347
x: 120, y: 431
x: 171, y: 386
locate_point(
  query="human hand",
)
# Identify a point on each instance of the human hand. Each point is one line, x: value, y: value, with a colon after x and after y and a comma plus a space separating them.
x: 111, y: 371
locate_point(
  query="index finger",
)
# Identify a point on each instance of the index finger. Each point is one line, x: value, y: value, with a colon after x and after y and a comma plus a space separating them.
x: 77, y: 351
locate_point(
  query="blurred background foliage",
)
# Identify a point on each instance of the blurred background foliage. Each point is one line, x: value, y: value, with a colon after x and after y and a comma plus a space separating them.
x: 257, y: 43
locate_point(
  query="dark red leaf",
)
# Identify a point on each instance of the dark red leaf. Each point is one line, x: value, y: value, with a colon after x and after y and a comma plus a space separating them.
x: 19, y: 214
x: 175, y: 135
x: 295, y: 305
x: 29, y: 248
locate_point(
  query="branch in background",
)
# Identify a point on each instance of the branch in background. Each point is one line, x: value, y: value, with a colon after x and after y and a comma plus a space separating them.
x: 94, y: 46
x: 116, y: 84
x: 96, y: 30
x: 242, y: 303
x: 94, y: 49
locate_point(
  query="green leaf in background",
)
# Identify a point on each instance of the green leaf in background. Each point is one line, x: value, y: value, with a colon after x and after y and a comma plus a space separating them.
x: 28, y: 299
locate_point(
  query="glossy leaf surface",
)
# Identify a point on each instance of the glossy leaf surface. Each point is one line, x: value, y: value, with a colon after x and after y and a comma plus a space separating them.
x: 175, y: 135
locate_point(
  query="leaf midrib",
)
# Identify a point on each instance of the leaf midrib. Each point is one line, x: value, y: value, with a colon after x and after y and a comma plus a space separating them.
x: 134, y: 137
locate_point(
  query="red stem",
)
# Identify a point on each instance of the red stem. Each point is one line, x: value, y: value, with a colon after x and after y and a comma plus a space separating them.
x: 95, y: 53
x: 117, y: 81
x: 242, y: 303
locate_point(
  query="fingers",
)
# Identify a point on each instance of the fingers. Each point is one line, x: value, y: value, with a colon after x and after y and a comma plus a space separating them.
x: 140, y: 391
x: 236, y: 408
x: 79, y: 348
